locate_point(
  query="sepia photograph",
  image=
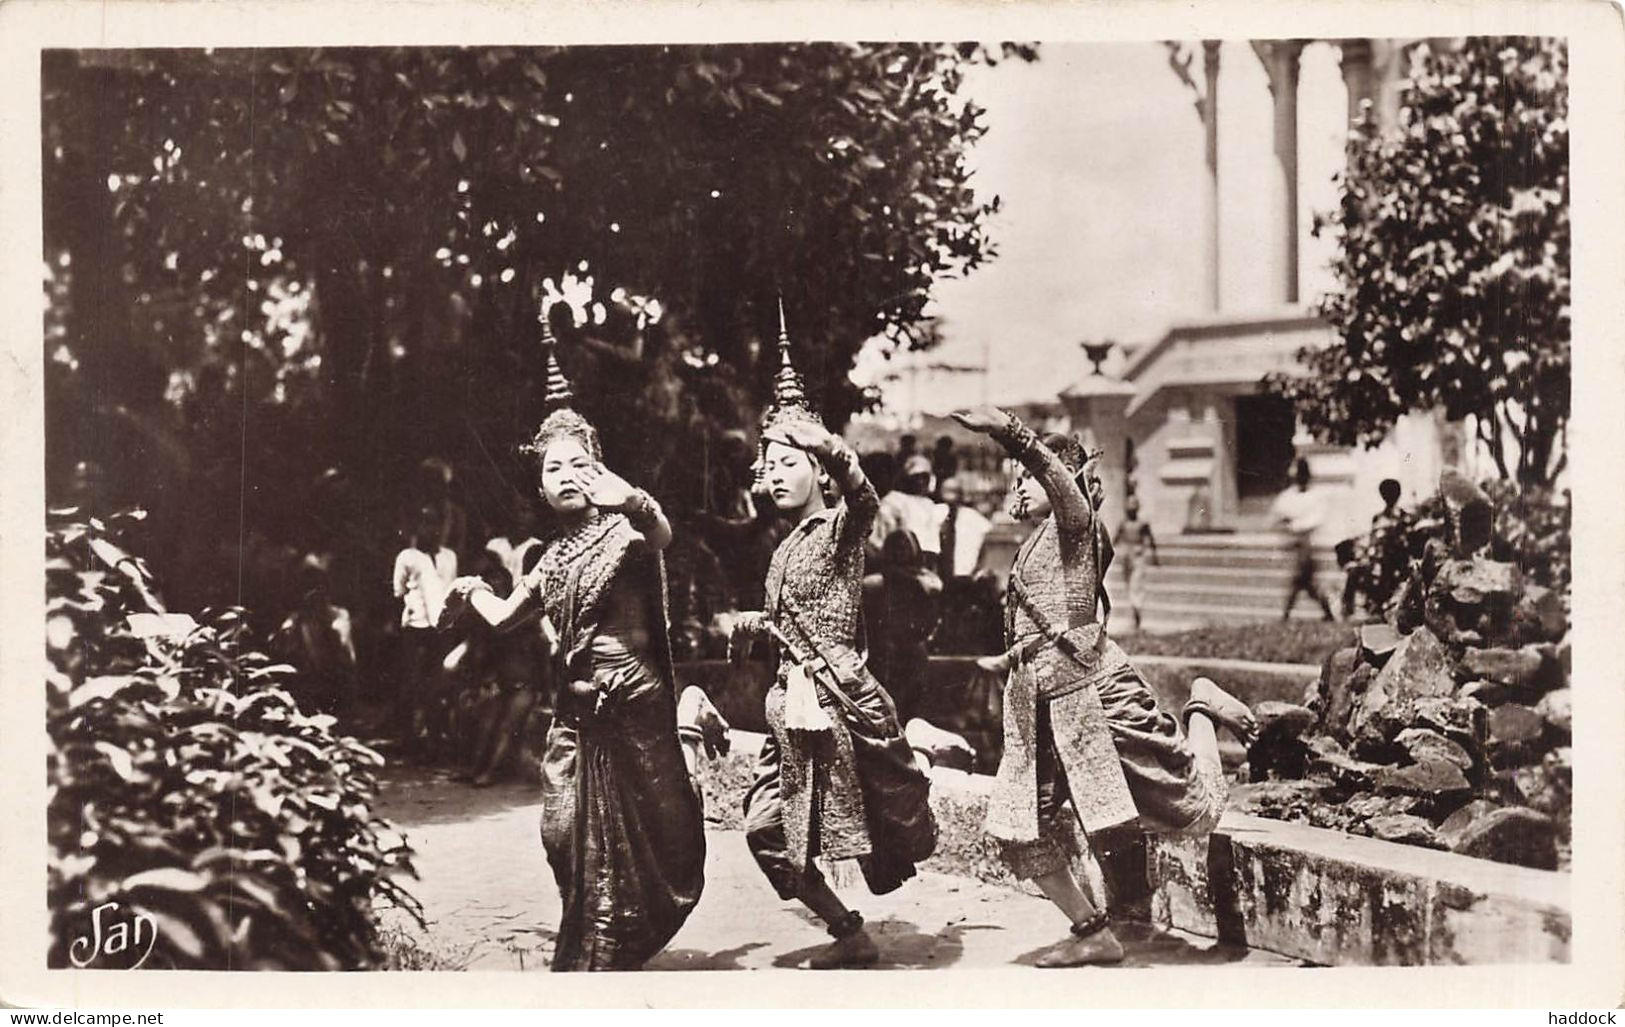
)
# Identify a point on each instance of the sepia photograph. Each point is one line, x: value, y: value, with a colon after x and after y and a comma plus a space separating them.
x: 1012, y: 504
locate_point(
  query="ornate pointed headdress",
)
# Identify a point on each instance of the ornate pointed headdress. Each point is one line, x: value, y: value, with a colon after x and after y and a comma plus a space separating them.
x: 789, y: 398
x: 562, y: 420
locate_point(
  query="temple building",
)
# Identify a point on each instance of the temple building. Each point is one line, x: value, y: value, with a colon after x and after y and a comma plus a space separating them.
x: 1182, y: 419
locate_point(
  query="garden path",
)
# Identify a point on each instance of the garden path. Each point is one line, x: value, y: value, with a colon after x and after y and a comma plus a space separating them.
x: 491, y: 904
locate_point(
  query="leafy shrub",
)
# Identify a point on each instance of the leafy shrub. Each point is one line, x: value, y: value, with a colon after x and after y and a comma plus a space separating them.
x: 186, y: 786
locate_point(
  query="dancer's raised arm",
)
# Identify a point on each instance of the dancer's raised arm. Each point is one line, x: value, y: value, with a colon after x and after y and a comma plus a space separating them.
x: 611, y: 493
x: 1074, y: 511
x: 840, y: 462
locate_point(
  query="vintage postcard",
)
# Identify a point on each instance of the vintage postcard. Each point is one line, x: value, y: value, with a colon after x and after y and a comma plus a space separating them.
x: 798, y: 504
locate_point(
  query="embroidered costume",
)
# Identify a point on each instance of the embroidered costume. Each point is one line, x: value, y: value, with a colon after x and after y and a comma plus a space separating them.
x: 853, y: 791
x: 621, y: 817
x: 1079, y: 721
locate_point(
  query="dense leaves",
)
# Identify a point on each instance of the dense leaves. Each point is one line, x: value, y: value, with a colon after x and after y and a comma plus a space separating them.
x: 1453, y: 260
x: 185, y: 786
x: 270, y: 266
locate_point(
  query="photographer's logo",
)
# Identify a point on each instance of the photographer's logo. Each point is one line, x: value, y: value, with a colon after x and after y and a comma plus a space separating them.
x: 115, y: 938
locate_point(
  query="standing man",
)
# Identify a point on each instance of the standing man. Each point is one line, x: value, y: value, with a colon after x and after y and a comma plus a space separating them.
x: 1301, y: 512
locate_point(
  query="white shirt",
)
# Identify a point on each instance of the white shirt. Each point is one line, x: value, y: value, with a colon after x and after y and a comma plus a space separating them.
x: 918, y: 514
x: 1303, y: 511
x: 512, y: 556
x: 970, y: 531
x: 421, y: 583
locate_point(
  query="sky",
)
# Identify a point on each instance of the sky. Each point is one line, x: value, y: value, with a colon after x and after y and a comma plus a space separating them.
x: 1096, y: 152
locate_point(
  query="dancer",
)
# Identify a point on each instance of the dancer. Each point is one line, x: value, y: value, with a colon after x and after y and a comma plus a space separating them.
x: 621, y: 817
x: 836, y: 778
x: 1079, y: 721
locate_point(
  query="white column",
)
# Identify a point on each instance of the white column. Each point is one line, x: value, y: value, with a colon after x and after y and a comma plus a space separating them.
x: 1280, y: 60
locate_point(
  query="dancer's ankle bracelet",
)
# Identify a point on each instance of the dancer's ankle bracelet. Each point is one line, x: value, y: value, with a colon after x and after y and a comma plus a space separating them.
x: 847, y: 925
x: 1093, y: 925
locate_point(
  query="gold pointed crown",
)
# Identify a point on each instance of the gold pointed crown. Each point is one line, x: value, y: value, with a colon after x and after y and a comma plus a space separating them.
x: 562, y: 420
x: 789, y: 394
x: 790, y: 402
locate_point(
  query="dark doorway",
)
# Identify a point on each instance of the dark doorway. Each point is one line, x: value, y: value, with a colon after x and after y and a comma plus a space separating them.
x: 1264, y: 430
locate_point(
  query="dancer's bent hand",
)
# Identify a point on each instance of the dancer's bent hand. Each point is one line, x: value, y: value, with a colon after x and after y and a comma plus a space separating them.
x: 605, y: 489
x: 802, y: 435
x: 982, y: 419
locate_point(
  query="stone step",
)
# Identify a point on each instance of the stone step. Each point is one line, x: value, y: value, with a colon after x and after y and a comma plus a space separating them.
x: 1193, y: 615
x: 1240, y: 577
x: 1339, y: 900
x: 1228, y: 598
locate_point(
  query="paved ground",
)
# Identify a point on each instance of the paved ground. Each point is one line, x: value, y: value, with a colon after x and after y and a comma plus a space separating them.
x: 491, y: 904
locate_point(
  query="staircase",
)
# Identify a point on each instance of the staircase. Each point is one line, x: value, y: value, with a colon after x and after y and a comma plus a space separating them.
x: 1222, y: 579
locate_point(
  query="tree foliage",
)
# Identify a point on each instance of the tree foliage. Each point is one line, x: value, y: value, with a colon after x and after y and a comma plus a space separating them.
x: 267, y: 264
x: 186, y: 787
x: 1453, y: 260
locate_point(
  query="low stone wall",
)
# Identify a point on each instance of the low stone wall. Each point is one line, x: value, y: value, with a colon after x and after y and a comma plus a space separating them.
x: 1313, y: 894
x: 1340, y: 899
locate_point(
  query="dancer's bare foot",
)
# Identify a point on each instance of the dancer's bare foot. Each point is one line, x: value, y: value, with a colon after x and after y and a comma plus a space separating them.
x: 1225, y: 709
x: 854, y: 950
x: 1098, y: 949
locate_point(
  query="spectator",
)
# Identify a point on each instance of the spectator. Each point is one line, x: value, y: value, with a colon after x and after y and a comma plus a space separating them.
x: 519, y: 540
x: 944, y: 463
x: 435, y: 481
x: 1136, y: 544
x: 1302, y: 512
x: 902, y: 603
x: 424, y: 570
x: 964, y: 529
x: 909, y: 508
x: 907, y: 446
x: 317, y: 638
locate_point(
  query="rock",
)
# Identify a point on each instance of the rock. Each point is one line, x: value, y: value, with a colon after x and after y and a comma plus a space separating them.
x: 1565, y: 658
x: 1488, y: 692
x: 1478, y: 580
x: 1472, y: 518
x: 1283, y: 718
x: 1430, y: 778
x: 1329, y: 760
x: 1470, y: 602
x: 1549, y: 612
x: 1519, y: 668
x: 1545, y: 786
x: 1377, y: 643
x: 1278, y: 750
x: 1514, y: 729
x: 1557, y: 709
x: 1539, y: 615
x: 1419, y: 668
x: 1507, y: 834
x: 1338, y: 688
x: 1404, y: 827
x: 1463, y: 721
x: 1425, y: 743
x: 1275, y: 797
x: 1367, y: 806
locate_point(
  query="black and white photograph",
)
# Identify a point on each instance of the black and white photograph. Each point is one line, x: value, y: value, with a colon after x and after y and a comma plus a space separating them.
x: 970, y: 502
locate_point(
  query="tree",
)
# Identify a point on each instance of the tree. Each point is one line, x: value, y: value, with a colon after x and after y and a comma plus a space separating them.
x: 1453, y: 261
x: 265, y: 265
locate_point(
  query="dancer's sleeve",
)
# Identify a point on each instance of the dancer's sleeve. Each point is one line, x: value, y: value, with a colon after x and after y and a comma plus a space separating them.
x: 862, y: 502
x: 1074, y: 513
